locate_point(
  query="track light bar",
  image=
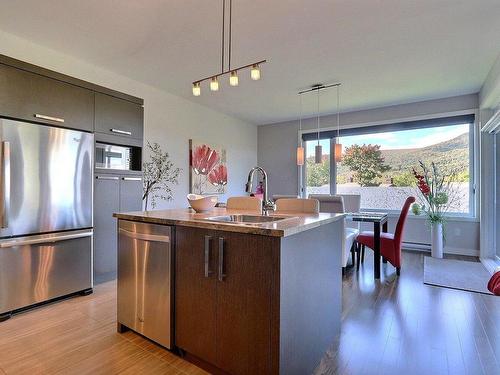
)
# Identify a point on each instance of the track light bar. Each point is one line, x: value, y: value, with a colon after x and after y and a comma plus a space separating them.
x: 255, y: 74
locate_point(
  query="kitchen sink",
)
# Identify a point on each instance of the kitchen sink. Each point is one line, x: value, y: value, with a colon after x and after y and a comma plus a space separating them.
x: 246, y: 219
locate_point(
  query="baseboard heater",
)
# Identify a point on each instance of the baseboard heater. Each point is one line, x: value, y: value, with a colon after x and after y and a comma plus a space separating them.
x: 416, y: 246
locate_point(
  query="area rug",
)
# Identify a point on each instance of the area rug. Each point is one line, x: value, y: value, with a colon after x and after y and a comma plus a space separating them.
x: 456, y: 274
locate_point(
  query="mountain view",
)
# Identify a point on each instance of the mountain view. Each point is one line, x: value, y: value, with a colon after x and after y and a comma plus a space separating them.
x: 451, y: 156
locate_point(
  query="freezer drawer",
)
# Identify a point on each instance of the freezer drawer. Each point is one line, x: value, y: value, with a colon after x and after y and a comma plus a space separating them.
x: 38, y: 268
x: 144, y: 280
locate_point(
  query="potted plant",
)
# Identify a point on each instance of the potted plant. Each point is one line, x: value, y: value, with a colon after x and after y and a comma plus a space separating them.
x: 436, y: 192
x: 159, y: 175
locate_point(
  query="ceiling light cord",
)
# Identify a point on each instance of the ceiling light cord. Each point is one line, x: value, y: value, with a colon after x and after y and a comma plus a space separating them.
x: 318, y: 112
x: 300, y: 116
x: 338, y: 112
x: 223, y: 33
x: 230, y: 29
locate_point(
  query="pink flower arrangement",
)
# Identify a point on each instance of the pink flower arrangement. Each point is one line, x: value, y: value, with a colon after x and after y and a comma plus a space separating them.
x: 204, y: 159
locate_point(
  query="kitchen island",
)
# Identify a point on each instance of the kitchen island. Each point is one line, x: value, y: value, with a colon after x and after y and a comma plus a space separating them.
x: 247, y: 298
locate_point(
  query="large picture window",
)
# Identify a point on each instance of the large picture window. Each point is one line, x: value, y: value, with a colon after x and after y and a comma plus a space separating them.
x: 377, y: 162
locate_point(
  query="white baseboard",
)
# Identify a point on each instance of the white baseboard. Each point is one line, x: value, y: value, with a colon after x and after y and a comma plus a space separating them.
x: 411, y: 246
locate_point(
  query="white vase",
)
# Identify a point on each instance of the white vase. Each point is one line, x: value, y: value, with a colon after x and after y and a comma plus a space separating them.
x: 437, y: 240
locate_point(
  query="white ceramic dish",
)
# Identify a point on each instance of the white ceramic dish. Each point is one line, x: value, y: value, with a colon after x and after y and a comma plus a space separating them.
x: 200, y: 203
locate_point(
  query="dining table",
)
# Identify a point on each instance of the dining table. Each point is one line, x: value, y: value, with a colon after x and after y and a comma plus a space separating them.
x: 379, y: 220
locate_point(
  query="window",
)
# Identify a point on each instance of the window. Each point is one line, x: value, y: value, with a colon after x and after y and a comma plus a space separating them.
x: 377, y: 162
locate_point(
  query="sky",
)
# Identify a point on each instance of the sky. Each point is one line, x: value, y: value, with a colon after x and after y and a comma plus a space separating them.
x: 404, y: 139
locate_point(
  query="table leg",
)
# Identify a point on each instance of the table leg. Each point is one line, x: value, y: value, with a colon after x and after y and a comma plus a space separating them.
x: 376, y: 250
x: 384, y: 229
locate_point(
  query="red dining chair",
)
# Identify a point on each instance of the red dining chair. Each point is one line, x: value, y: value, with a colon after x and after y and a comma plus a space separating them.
x: 390, y: 244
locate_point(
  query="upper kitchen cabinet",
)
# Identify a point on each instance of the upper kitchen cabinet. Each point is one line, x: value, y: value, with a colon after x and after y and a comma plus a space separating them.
x: 118, y: 116
x: 29, y: 96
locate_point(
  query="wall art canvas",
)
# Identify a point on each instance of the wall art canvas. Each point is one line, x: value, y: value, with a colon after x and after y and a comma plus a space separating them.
x: 207, y: 168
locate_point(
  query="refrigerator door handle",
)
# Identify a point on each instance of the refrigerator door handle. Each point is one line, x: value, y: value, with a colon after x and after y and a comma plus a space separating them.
x: 44, y: 238
x: 5, y: 185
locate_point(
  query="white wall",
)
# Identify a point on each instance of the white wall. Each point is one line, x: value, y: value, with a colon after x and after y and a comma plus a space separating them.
x: 276, y: 153
x: 489, y: 101
x: 169, y: 120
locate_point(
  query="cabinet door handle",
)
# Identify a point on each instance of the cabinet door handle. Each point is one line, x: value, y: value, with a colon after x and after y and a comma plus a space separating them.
x: 106, y: 177
x: 222, y: 275
x: 119, y: 131
x: 50, y: 118
x: 207, y: 256
x: 131, y: 178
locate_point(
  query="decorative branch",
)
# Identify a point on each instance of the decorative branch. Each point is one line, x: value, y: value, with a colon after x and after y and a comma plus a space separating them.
x: 159, y: 176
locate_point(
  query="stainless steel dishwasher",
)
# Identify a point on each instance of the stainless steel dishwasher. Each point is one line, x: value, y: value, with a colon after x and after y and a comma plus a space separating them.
x: 145, y: 280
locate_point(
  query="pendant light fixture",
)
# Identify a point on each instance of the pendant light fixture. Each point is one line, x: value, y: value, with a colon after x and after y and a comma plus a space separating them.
x: 255, y: 72
x: 318, y: 150
x: 300, y: 148
x: 338, y: 146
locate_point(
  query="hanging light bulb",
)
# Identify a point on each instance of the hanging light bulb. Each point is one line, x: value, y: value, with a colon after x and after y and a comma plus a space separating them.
x: 214, y: 84
x: 338, y: 146
x: 233, y: 78
x: 255, y: 72
x: 318, y: 150
x: 196, y: 89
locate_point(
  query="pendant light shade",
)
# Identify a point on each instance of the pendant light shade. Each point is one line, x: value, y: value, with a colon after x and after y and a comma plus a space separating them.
x: 214, y: 84
x: 300, y: 155
x: 318, y: 154
x: 233, y: 78
x: 255, y: 72
x: 196, y: 89
x: 338, y: 152
x: 338, y: 146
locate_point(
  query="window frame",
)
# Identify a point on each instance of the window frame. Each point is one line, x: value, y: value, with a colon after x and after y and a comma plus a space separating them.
x: 474, y: 162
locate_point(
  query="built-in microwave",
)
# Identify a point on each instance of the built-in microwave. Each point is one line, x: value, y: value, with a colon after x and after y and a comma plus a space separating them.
x: 109, y: 156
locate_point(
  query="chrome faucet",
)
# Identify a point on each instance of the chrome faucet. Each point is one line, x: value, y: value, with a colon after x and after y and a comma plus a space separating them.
x: 267, y: 204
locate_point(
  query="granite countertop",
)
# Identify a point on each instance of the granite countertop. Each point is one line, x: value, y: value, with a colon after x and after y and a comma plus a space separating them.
x: 294, y: 223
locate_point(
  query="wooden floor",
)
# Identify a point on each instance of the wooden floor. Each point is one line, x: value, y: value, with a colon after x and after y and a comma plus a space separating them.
x: 394, y: 326
x: 401, y: 326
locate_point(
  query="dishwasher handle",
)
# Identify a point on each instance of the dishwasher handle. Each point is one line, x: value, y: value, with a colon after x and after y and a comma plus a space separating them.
x: 145, y: 236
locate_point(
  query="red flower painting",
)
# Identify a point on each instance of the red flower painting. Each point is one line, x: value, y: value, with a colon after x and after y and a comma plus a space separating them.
x: 218, y: 176
x: 204, y: 159
x: 208, y: 172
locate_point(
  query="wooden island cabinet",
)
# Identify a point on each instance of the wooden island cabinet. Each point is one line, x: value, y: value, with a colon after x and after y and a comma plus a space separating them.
x: 227, y: 295
x: 253, y: 299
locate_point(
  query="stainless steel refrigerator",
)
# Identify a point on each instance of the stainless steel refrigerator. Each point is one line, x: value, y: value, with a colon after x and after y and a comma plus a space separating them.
x: 45, y: 213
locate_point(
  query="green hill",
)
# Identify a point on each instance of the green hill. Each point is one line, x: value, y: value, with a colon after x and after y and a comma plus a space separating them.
x: 451, y: 156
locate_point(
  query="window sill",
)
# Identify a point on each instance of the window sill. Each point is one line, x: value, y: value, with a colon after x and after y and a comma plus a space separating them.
x: 452, y: 218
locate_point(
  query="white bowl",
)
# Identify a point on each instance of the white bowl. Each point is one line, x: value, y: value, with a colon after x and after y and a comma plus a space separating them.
x: 200, y: 203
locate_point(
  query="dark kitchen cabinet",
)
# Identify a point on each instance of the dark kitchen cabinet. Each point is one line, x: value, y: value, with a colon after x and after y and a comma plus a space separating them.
x: 130, y: 193
x: 118, y: 116
x: 225, y: 314
x: 106, y: 203
x: 112, y: 193
x: 33, y: 97
x: 195, y: 288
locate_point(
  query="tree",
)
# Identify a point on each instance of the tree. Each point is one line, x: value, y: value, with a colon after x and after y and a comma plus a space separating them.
x: 366, y: 162
x: 159, y: 174
x: 318, y: 174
